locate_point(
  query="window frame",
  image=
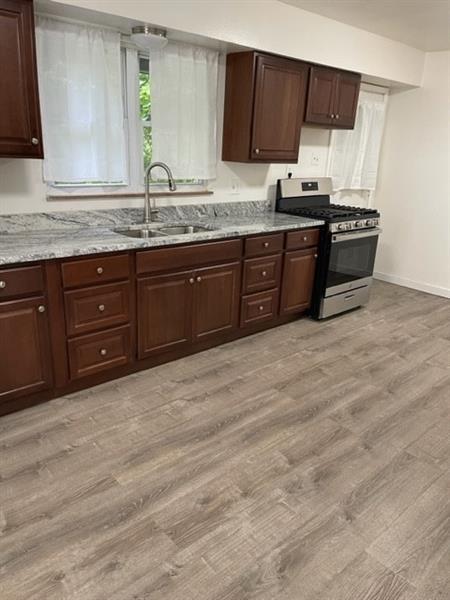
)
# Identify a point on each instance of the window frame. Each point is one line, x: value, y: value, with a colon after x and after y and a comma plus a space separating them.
x: 133, y: 142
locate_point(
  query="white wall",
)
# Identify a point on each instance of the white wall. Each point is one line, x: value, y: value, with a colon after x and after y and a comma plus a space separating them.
x: 413, y: 191
x: 22, y: 189
x: 275, y: 27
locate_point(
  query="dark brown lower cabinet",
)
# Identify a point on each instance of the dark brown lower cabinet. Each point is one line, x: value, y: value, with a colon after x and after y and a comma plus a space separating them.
x: 216, y: 300
x: 25, y: 357
x: 164, y: 312
x: 298, y: 280
x: 178, y: 309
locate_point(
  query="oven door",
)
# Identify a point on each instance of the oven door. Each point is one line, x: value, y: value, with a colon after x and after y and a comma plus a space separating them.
x: 352, y: 257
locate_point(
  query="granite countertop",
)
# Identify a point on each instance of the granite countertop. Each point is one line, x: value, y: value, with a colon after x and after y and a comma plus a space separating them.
x: 46, y: 236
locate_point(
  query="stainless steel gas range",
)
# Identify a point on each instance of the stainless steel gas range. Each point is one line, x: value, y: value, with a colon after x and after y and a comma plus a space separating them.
x: 347, y: 248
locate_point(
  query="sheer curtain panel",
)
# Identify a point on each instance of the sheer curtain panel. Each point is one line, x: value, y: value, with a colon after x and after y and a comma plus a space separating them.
x: 184, y: 109
x: 81, y: 102
x: 353, y: 160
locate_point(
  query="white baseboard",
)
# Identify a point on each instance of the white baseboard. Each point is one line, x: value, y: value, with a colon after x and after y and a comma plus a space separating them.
x: 416, y: 285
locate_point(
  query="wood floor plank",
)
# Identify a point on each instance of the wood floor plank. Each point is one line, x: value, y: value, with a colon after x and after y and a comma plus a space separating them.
x: 307, y: 462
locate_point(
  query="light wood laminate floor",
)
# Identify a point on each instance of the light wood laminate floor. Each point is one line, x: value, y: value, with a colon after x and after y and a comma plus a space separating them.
x: 309, y: 462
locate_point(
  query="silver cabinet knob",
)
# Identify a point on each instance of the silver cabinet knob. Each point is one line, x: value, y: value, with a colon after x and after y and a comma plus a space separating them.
x: 264, y: 273
x: 316, y: 255
x: 261, y: 308
x: 103, y: 352
x: 191, y: 280
x: 41, y: 308
x: 332, y: 115
x: 266, y: 244
x: 2, y: 285
x: 336, y: 116
x: 99, y: 270
x: 256, y: 150
x: 305, y: 238
x: 34, y: 141
x: 199, y: 279
x: 101, y: 307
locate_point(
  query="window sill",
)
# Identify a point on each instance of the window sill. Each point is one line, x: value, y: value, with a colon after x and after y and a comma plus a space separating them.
x: 108, y: 196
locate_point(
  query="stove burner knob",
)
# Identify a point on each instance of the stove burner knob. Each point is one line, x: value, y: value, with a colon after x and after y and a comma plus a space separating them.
x: 369, y: 222
x: 358, y: 224
x: 341, y: 226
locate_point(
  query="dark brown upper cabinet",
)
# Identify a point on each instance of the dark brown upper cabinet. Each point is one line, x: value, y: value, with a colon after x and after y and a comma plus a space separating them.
x: 264, y: 106
x: 332, y: 98
x: 20, y: 121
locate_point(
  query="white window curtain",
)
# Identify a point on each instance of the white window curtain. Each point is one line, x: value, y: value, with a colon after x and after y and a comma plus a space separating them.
x: 184, y: 109
x: 81, y: 101
x: 354, y: 154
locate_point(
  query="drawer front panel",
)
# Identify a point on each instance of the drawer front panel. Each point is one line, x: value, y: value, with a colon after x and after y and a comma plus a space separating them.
x: 261, y: 274
x: 77, y: 273
x: 264, y: 244
x: 21, y: 281
x: 259, y: 307
x: 97, y: 307
x: 164, y: 259
x: 98, y: 352
x: 302, y: 239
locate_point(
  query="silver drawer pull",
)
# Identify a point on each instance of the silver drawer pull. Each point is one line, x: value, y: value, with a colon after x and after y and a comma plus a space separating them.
x: 256, y: 150
x: 2, y: 285
x: 261, y: 308
x: 191, y: 280
x: 34, y: 141
x: 264, y: 273
x: 336, y: 117
x: 41, y: 308
x: 305, y: 238
x: 266, y: 244
x: 332, y: 115
x: 199, y: 279
x: 316, y: 255
x: 101, y: 307
x: 103, y: 352
x: 99, y: 270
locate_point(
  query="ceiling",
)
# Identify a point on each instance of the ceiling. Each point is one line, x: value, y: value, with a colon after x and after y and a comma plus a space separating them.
x: 423, y: 24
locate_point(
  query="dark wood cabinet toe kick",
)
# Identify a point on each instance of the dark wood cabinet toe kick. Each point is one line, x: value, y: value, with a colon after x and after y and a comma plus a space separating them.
x: 73, y: 323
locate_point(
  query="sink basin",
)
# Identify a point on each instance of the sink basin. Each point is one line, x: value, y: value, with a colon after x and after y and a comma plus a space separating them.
x: 145, y: 232
x: 182, y: 229
x: 138, y: 233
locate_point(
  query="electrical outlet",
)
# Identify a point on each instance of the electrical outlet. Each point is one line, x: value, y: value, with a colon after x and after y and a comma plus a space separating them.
x: 235, y: 186
x: 315, y: 160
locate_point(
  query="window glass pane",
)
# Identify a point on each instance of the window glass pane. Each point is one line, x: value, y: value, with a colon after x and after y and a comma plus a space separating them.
x: 147, y: 146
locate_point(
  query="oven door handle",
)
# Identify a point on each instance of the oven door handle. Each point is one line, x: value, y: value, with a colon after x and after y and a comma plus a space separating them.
x: 345, y: 237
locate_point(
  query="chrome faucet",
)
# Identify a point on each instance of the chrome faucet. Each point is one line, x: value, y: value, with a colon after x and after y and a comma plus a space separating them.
x: 150, y: 210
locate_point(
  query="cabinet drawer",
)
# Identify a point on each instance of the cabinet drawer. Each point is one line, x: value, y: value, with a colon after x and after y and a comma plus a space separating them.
x: 264, y: 244
x: 21, y: 281
x: 98, y: 352
x: 302, y: 239
x: 259, y: 307
x: 77, y: 273
x: 261, y: 274
x: 152, y: 261
x: 97, y: 307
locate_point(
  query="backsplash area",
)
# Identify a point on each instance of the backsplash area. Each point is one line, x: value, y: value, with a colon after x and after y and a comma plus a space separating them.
x: 22, y: 222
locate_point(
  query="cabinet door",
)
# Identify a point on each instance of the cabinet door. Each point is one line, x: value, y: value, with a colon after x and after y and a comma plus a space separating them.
x: 346, y: 99
x: 20, y: 126
x: 298, y: 280
x: 280, y: 95
x: 164, y: 313
x: 25, y: 359
x: 216, y: 300
x: 321, y: 92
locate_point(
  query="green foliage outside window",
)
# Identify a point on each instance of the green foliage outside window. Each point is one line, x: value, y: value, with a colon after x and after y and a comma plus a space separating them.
x: 145, y: 110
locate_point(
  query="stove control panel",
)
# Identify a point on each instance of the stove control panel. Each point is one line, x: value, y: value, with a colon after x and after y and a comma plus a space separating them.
x: 349, y: 225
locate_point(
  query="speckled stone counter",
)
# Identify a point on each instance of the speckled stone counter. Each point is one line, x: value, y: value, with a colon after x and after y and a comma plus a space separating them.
x: 40, y: 236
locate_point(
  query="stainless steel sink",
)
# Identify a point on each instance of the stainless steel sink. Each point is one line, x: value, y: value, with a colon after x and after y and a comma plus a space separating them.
x: 168, y: 230
x: 139, y: 233
x: 182, y: 229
